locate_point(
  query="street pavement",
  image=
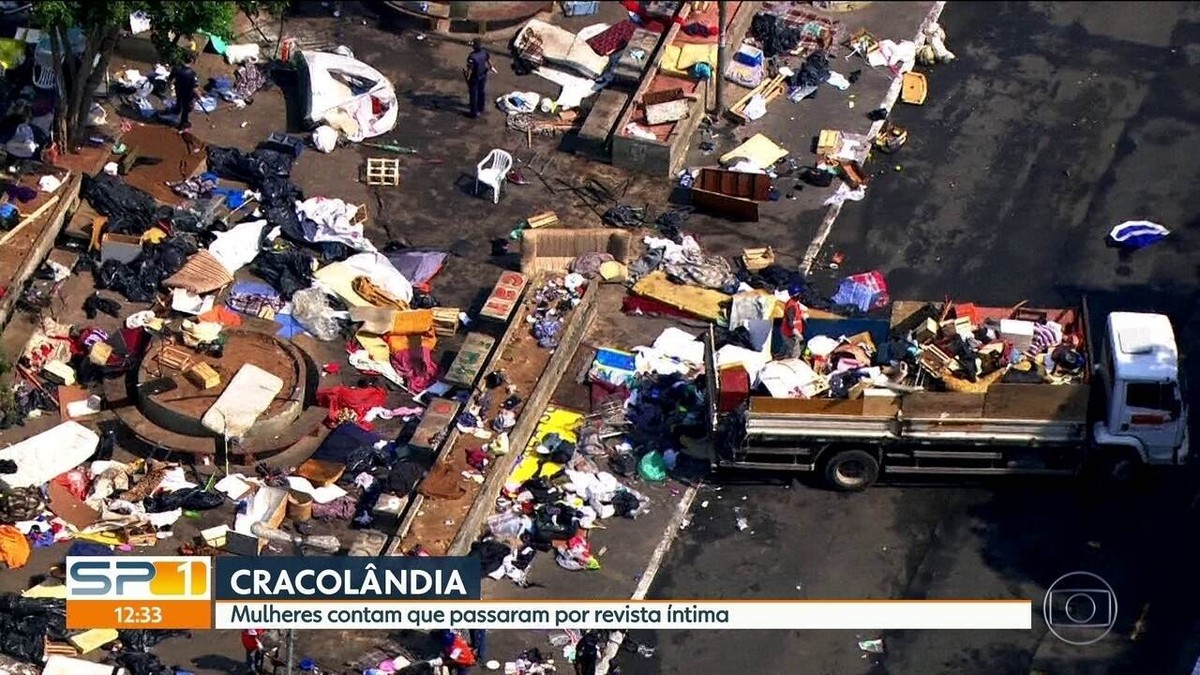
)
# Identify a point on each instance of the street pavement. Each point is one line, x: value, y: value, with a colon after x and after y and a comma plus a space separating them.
x: 1056, y: 122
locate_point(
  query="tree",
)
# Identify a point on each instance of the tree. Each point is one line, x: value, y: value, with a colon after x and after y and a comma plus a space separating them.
x: 102, y: 24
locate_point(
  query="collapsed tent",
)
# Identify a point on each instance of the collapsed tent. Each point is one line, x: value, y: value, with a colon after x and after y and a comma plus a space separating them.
x: 347, y: 94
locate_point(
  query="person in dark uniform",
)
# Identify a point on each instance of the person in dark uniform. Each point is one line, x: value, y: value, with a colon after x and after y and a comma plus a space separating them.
x: 479, y: 64
x: 186, y: 93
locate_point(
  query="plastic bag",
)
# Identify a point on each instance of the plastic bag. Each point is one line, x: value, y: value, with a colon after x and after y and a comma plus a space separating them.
x: 652, y: 467
x: 189, y: 499
x: 311, y: 308
x: 325, y: 138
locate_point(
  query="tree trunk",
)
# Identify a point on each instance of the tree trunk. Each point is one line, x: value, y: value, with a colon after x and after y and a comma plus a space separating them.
x: 60, y: 100
x: 83, y: 87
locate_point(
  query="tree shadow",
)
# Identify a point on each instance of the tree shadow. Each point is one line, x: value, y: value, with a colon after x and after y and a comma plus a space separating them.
x: 434, y: 102
x: 219, y: 663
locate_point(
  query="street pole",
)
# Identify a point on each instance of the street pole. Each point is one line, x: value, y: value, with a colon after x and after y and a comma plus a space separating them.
x: 722, y: 56
x: 291, y: 649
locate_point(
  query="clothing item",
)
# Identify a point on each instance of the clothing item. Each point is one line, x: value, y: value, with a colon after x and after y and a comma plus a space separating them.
x: 794, y: 314
x: 479, y: 64
x: 478, y: 95
x: 251, y: 639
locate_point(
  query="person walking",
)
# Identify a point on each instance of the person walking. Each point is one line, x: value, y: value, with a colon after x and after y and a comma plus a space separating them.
x: 186, y: 90
x: 792, y: 328
x: 478, y: 642
x: 252, y: 643
x: 587, y: 653
x: 479, y: 65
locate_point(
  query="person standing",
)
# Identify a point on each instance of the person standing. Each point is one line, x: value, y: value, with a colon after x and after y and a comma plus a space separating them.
x: 186, y: 90
x: 478, y: 641
x: 479, y: 65
x: 792, y: 328
x: 252, y: 643
x: 587, y: 653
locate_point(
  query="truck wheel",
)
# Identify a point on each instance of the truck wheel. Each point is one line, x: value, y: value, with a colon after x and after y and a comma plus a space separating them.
x: 1119, y: 466
x: 851, y: 471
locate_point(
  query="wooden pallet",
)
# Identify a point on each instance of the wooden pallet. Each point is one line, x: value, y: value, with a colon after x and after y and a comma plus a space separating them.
x: 383, y: 171
x: 769, y: 89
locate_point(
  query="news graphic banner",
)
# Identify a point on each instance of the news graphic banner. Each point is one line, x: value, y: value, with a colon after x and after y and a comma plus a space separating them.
x: 434, y: 593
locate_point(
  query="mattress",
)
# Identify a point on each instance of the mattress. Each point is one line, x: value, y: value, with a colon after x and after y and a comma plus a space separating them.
x: 561, y: 47
x: 249, y: 394
x: 328, y: 99
x: 679, y: 60
x: 44, y: 456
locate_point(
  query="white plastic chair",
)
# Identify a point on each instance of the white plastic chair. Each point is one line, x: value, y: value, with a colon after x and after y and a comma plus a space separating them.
x: 493, y: 171
x: 43, y: 69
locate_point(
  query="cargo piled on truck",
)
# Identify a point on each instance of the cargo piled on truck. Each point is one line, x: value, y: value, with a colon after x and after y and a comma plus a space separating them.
x: 952, y: 388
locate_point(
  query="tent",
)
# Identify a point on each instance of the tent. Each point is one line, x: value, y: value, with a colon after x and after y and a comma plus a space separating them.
x: 346, y: 94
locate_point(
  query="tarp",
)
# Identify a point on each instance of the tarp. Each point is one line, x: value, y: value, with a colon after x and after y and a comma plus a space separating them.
x: 348, y: 95
x: 419, y: 267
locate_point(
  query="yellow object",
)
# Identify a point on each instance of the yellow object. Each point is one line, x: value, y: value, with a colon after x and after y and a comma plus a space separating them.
x: 93, y: 639
x: 413, y: 322
x: 106, y: 538
x: 377, y: 347
x: 14, y: 547
x: 678, y: 60
x: 914, y: 88
x: 340, y: 279
x: 555, y: 421
x: 702, y: 302
x: 153, y: 236
x: 759, y: 149
x: 58, y: 592
x: 12, y: 53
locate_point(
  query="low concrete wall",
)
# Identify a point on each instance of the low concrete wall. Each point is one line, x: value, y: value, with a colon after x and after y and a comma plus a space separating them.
x: 531, y: 415
x: 56, y: 218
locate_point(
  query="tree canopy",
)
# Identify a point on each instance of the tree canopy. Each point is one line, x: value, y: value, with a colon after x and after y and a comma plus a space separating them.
x: 103, y: 22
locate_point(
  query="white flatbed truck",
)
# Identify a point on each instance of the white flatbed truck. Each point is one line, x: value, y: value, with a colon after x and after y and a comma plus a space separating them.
x: 1131, y: 410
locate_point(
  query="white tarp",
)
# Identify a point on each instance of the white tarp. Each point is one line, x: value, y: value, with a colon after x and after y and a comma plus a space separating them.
x: 339, y: 277
x: 791, y: 378
x: 238, y: 246
x: 348, y: 95
x: 48, y: 454
x: 332, y: 220
x: 58, y: 664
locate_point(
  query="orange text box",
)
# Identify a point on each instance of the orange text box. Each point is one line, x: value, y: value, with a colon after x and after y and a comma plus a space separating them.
x: 136, y: 614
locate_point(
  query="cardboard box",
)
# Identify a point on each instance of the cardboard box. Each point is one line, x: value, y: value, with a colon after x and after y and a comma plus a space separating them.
x: 123, y: 248
x: 269, y: 507
x: 928, y: 330
x: 1017, y: 333
x: 202, y: 375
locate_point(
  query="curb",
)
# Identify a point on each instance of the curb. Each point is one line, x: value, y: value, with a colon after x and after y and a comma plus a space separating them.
x: 889, y: 101
x: 656, y: 560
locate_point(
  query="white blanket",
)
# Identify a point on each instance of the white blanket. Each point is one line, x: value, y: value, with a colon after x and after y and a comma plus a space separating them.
x: 332, y: 220
x: 248, y: 395
x: 564, y: 48
x: 331, y: 101
x: 48, y: 454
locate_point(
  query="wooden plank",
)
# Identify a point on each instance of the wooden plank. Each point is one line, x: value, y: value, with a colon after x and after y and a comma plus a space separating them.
x: 799, y: 406
x: 504, y: 296
x: 1059, y: 402
x: 733, y: 208
x: 756, y: 186
x: 29, y: 219
x: 470, y: 359
x: 438, y: 416
x: 935, y: 404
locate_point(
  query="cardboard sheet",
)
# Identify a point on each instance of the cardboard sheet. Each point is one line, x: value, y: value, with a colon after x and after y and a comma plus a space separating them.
x: 248, y: 395
x: 58, y: 664
x: 761, y: 151
x: 701, y: 302
x: 91, y: 640
x: 49, y: 453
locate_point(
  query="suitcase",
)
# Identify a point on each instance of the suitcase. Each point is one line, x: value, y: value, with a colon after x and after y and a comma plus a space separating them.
x: 734, y: 388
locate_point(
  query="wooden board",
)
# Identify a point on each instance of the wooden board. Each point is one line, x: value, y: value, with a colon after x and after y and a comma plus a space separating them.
x: 756, y: 186
x: 504, y: 296
x: 1059, y: 402
x: 702, y: 302
x: 812, y: 406
x: 932, y: 405
x: 470, y: 359
x: 438, y: 416
x: 733, y: 208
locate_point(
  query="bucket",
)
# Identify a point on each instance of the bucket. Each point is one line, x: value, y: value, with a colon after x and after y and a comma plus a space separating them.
x: 299, y: 507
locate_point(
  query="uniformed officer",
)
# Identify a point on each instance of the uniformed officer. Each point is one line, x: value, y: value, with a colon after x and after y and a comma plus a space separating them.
x: 479, y: 64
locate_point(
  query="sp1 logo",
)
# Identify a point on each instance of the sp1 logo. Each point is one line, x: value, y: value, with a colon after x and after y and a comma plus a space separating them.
x: 137, y: 577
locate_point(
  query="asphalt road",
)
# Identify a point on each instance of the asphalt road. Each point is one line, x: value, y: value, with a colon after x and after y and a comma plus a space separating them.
x: 1057, y: 122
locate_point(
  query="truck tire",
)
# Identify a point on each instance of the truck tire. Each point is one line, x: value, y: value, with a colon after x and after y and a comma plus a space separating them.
x: 1119, y: 466
x: 851, y: 471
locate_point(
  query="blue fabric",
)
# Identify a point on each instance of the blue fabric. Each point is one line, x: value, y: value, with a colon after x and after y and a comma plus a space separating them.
x: 83, y: 548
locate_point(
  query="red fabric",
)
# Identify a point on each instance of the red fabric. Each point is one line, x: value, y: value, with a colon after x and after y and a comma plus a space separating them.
x: 350, y: 404
x: 417, y: 366
x: 651, y: 307
x: 250, y: 638
x: 75, y: 481
x: 613, y: 38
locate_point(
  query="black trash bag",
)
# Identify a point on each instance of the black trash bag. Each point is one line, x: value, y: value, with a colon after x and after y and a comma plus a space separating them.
x: 144, y: 640
x: 97, y: 305
x: 813, y: 73
x: 404, y: 475
x: 423, y: 301
x: 128, y: 209
x: 7, y: 466
x: 188, y: 499
x: 776, y: 35
x: 140, y: 279
x: 143, y: 663
x: 25, y: 624
x: 287, y: 271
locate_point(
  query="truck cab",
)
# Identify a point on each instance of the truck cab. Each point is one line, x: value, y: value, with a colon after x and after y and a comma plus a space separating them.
x: 1145, y: 411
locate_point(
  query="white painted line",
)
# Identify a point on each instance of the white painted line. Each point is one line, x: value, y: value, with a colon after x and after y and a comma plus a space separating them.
x: 889, y: 101
x: 656, y: 560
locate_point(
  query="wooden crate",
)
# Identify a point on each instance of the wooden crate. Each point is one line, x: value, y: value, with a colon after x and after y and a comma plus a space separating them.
x: 383, y: 171
x: 758, y: 258
x: 543, y: 219
x: 445, y: 320
x: 203, y: 375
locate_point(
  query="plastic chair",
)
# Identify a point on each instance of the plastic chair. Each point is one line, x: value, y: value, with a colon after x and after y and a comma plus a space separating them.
x: 43, y: 69
x: 493, y: 171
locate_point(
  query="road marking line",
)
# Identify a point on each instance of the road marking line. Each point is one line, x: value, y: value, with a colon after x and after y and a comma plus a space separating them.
x: 656, y: 560
x: 889, y: 101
